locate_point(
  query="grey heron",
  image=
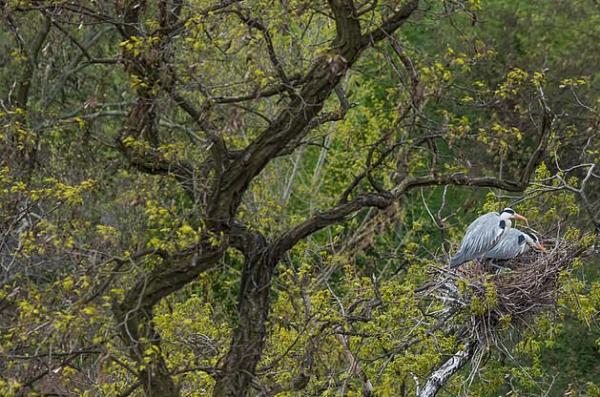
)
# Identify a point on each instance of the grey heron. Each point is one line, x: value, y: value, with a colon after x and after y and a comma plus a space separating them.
x: 483, y: 234
x: 513, y: 243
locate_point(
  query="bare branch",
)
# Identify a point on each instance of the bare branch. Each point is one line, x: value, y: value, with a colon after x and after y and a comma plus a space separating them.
x: 391, y: 24
x: 438, y: 378
x: 323, y: 219
x: 293, y: 81
x: 460, y: 180
x: 545, y: 129
x: 254, y: 22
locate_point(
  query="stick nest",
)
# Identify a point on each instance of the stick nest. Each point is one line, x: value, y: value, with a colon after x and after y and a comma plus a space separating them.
x: 507, y: 294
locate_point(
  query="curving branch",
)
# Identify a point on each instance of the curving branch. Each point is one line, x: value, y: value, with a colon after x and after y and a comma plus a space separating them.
x: 391, y: 24
x: 460, y: 179
x: 326, y: 218
x: 438, y: 378
x: 383, y: 200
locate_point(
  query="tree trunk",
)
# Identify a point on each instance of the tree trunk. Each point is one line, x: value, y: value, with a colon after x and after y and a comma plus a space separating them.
x: 143, y: 342
x: 249, y: 337
x: 157, y: 381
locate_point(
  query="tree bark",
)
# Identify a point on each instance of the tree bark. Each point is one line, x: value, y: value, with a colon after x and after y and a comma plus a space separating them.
x: 438, y: 378
x: 290, y: 124
x: 143, y: 343
x: 249, y: 337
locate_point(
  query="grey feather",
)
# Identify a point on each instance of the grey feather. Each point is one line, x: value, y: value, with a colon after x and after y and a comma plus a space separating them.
x: 508, y: 247
x: 481, y: 236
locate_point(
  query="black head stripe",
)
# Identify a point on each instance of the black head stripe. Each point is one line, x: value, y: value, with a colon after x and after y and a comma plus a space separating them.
x: 502, y: 224
x: 509, y: 210
x: 521, y: 239
x: 533, y: 236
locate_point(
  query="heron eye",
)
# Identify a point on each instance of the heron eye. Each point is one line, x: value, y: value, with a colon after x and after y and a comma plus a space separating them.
x: 502, y: 224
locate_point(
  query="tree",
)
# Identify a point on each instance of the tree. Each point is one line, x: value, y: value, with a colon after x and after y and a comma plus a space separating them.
x: 148, y: 146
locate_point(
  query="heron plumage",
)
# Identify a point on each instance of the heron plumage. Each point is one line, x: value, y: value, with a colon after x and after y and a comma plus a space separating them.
x: 509, y: 246
x: 481, y: 236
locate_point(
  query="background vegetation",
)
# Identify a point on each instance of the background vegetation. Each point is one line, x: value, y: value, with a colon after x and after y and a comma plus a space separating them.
x: 230, y: 198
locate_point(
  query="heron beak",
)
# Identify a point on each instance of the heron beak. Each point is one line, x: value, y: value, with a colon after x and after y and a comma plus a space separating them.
x: 520, y: 217
x: 540, y: 246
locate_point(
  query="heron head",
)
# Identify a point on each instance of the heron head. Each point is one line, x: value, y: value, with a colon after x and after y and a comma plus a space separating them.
x: 534, y: 241
x: 509, y: 213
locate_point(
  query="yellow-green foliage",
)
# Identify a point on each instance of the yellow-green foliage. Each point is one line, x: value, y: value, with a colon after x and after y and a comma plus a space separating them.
x: 457, y: 91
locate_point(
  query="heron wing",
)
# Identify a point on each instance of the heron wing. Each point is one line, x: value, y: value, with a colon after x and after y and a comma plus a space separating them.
x: 508, y: 247
x: 481, y: 236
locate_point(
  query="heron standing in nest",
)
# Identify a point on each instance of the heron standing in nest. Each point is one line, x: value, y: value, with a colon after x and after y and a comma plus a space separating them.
x: 483, y: 234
